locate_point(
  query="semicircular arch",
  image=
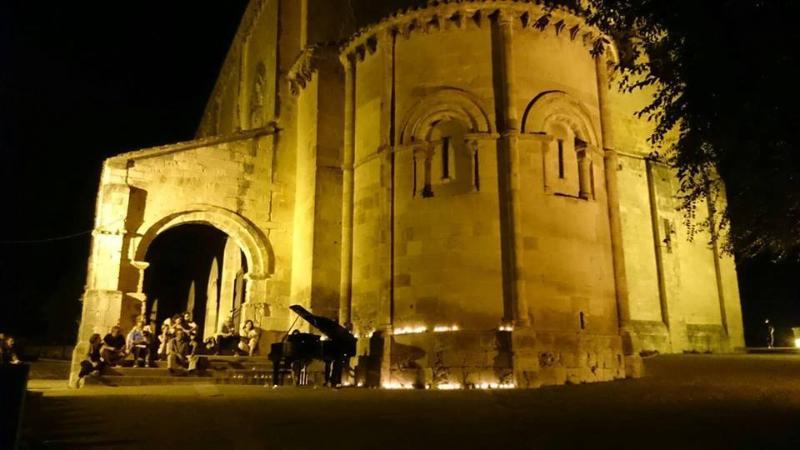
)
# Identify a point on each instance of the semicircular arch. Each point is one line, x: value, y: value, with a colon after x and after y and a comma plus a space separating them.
x: 248, y: 237
x: 442, y: 105
x: 558, y: 107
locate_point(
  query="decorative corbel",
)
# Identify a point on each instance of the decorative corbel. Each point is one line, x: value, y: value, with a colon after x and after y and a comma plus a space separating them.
x: 573, y: 32
x: 559, y: 26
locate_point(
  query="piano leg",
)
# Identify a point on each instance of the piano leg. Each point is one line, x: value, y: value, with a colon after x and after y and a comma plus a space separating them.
x: 297, y: 373
x: 277, y: 372
x: 328, y: 372
x: 336, y: 372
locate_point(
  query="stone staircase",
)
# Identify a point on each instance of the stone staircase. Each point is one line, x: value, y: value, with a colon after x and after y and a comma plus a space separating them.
x: 216, y: 369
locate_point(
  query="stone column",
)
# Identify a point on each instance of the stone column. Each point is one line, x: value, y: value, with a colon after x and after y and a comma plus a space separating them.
x: 657, y: 242
x: 612, y: 189
x: 723, y: 313
x: 509, y: 143
x: 346, y: 286
x: 523, y: 339
x: 633, y: 362
x: 584, y: 178
x: 231, y: 266
x: 387, y: 42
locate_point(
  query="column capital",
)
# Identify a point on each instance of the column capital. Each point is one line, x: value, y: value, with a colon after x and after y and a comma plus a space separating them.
x: 506, y: 17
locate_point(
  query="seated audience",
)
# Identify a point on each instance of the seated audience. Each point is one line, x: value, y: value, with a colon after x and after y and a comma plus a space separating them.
x: 9, y: 354
x: 152, y: 349
x: 228, y: 337
x: 163, y: 340
x: 248, y: 338
x: 178, y: 351
x: 210, y: 346
x: 177, y: 324
x: 113, y: 351
x: 189, y: 325
x: 93, y: 361
x: 138, y: 343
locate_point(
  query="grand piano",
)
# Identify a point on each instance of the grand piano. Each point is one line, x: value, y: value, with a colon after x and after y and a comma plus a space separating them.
x: 297, y: 350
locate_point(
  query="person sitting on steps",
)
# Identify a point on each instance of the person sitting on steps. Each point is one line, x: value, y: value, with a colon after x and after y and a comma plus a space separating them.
x: 9, y: 351
x: 163, y: 340
x: 113, y: 350
x: 138, y: 343
x: 248, y: 338
x: 189, y: 325
x: 178, y: 351
x: 228, y: 337
x: 93, y: 361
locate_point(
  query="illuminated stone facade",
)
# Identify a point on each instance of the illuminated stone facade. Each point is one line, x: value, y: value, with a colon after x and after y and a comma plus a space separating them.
x: 458, y: 179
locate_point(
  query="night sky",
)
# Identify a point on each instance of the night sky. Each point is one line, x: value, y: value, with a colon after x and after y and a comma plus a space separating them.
x: 81, y: 81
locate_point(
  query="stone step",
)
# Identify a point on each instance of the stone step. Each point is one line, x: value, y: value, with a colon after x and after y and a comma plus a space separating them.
x: 164, y: 372
x: 216, y: 363
x: 219, y: 369
x: 169, y: 380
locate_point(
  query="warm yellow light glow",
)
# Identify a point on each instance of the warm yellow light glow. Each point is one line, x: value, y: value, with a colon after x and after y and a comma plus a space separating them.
x: 396, y: 385
x: 448, y: 386
x: 797, y: 342
x: 410, y: 330
x: 445, y: 328
x: 496, y: 386
x: 506, y: 327
x: 366, y: 335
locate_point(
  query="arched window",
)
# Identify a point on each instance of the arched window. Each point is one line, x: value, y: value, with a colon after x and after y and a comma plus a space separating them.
x: 569, y: 164
x: 571, y: 143
x: 447, y: 163
x: 443, y: 129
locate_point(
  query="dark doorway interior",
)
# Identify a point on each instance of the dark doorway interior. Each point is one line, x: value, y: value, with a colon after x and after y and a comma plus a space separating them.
x: 178, y: 258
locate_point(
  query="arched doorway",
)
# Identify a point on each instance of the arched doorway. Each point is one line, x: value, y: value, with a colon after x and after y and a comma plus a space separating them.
x: 196, y: 268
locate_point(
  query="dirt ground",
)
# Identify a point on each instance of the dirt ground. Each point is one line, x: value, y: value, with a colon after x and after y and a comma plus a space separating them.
x: 685, y: 402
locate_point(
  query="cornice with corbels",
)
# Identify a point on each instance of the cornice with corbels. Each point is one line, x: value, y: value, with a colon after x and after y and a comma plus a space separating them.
x: 303, y: 69
x: 449, y: 14
x: 307, y: 64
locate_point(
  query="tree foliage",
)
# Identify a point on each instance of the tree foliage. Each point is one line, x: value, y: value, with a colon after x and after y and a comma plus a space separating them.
x: 726, y: 80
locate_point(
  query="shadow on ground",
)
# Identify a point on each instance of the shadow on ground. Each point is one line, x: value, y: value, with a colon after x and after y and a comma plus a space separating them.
x: 686, y: 402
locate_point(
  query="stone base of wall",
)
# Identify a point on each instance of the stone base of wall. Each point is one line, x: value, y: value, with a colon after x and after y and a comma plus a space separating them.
x: 478, y: 358
x: 576, y: 358
x: 640, y: 338
x: 707, y: 339
x: 462, y: 358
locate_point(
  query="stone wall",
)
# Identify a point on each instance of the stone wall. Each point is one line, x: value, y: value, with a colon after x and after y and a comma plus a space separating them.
x: 681, y: 288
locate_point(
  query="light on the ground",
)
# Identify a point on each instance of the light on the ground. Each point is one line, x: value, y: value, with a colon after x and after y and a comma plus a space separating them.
x: 410, y: 330
x: 496, y: 386
x: 445, y: 328
x: 797, y: 342
x: 396, y: 385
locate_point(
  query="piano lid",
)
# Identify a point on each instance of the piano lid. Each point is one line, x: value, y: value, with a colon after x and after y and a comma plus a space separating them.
x: 328, y: 327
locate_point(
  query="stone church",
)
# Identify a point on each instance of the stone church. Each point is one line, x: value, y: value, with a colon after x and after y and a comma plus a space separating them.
x: 459, y: 178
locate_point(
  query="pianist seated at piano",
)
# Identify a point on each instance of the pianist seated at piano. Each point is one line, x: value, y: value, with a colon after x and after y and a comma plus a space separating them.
x: 248, y: 338
x: 295, y: 352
